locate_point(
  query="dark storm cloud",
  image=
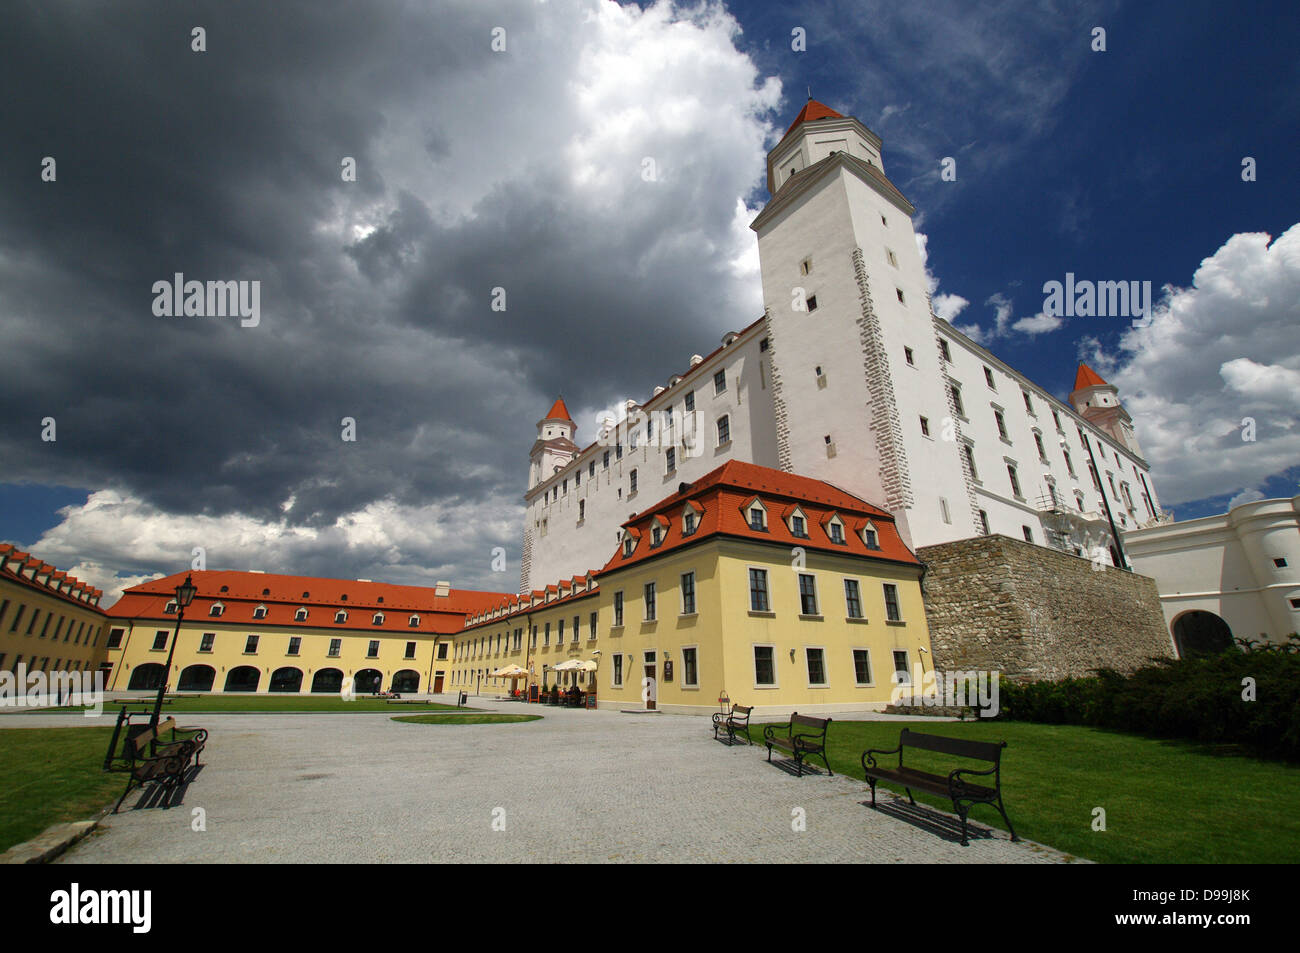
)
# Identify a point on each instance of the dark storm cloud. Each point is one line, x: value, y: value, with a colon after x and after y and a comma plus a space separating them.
x: 226, y: 165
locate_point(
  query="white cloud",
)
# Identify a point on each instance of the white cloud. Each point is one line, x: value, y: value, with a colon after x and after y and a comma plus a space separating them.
x: 948, y: 306
x: 1245, y: 496
x: 1219, y: 360
x: 107, y: 537
x: 1040, y: 323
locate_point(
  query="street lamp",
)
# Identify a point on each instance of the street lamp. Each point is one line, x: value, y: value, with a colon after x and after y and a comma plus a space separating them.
x: 184, y: 596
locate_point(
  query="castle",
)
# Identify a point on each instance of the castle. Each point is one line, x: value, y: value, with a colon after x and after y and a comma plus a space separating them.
x: 849, y: 377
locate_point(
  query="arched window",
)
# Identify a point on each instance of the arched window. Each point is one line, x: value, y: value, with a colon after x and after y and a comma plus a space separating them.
x: 217, y: 609
x: 378, y: 619
x: 259, y: 612
x: 300, y: 615
x: 413, y: 622
x: 341, y: 616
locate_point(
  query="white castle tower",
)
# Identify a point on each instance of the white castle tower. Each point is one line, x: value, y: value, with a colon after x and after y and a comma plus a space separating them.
x: 849, y: 377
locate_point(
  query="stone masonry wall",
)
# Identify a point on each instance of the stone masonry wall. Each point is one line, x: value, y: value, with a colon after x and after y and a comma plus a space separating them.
x: 999, y: 604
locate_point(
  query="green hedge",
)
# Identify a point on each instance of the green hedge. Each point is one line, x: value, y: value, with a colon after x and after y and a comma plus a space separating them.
x: 1195, y: 699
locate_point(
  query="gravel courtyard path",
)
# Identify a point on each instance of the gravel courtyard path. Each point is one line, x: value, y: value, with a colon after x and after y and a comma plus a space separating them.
x: 591, y: 786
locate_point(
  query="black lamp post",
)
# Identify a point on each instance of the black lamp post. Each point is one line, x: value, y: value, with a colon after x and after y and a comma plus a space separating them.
x: 184, y: 596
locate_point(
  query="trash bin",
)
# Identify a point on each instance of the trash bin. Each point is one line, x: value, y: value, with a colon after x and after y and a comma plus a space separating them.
x: 460, y: 702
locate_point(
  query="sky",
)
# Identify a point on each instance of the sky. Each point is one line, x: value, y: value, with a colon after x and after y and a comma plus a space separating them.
x: 520, y: 169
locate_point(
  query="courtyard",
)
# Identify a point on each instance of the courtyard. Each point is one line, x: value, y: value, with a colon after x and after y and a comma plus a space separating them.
x: 575, y: 786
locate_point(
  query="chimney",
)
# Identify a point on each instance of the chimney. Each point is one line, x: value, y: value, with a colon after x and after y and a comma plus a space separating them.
x: 696, y: 359
x: 659, y: 389
x: 442, y: 589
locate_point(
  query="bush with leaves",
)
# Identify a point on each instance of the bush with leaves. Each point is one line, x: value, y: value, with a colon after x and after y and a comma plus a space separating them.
x: 1247, y: 698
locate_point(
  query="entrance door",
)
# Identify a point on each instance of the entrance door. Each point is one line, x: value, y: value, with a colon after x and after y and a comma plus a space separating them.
x: 651, y: 687
x: 437, y: 684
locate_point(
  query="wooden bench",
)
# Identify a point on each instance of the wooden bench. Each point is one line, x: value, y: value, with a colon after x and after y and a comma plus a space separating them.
x: 735, y: 720
x: 145, y: 757
x: 801, y: 744
x: 964, y: 794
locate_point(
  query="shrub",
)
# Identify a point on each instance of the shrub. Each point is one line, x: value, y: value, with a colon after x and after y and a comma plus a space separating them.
x: 1200, y: 699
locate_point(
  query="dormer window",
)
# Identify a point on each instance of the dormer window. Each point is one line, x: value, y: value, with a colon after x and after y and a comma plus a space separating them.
x: 628, y: 545
x: 378, y: 619
x: 341, y: 616
x: 798, y: 527
x: 170, y: 608
x: 380, y: 600
x: 413, y: 622
x: 300, y: 615
x: 688, y: 523
x: 870, y: 537
x: 757, y: 518
x: 217, y: 609
x: 656, y: 535
x: 835, y: 529
x: 259, y: 612
x: 225, y: 588
x: 266, y: 592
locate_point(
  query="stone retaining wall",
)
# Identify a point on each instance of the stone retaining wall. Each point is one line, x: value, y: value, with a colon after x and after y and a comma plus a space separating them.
x: 998, y: 604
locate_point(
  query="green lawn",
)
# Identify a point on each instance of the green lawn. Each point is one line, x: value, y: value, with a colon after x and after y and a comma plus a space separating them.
x: 487, y: 718
x: 278, y: 704
x: 51, y: 775
x: 1165, y: 802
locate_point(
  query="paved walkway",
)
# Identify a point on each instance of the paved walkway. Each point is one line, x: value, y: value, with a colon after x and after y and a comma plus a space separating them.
x: 588, y: 786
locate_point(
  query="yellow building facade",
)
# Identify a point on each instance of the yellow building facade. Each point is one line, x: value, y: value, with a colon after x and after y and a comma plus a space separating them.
x: 778, y: 592
x: 49, y: 621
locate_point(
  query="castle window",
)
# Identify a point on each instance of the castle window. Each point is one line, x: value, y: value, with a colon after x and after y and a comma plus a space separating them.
x: 757, y: 518
x: 925, y: 426
x: 300, y: 615
x: 943, y: 510
x: 160, y: 640
x: 605, y: 462
x: 870, y: 537
x: 631, y: 482
x: 988, y: 378
x: 628, y: 545
x: 899, y: 292
x: 719, y: 382
x: 1002, y: 424
x: 762, y: 345
x: 883, y: 221
x: 690, y: 401
x: 892, y: 612
x: 377, y: 619
x: 336, y: 646
x: 649, y: 602
x: 582, y: 510
x: 372, y: 650
x: 984, y: 522
x: 591, y: 467
x: 1015, y: 480
x: 217, y: 609
x: 807, y: 594
x: 618, y: 609
x: 1279, y: 562
x: 852, y: 599
x: 1029, y: 534
x: 1069, y: 464
x: 618, y: 451
x: 1029, y: 404
x: 943, y: 345
x: 688, y: 523
x: 413, y: 622
x: 907, y: 356
x: 970, y: 461
x: 577, y: 479
x: 1038, y: 442
x: 805, y: 267
x: 341, y: 616
x: 656, y: 535
x: 250, y: 646
x: 259, y: 612
x: 1056, y: 418
x: 797, y: 527
x: 724, y: 430
x: 836, y: 530
x: 758, y: 601
x: 891, y: 257
x: 955, y: 391
x: 671, y: 460
x: 206, y: 641
x: 812, y: 304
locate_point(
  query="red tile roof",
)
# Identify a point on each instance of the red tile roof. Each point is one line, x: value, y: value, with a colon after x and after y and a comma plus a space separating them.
x: 57, y: 583
x: 1087, y: 377
x: 558, y: 411
x: 724, y: 494
x: 284, y: 595
x: 813, y: 110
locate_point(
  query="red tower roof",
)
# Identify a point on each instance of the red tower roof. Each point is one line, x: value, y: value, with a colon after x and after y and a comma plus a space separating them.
x: 813, y: 110
x: 558, y: 411
x: 1087, y: 377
